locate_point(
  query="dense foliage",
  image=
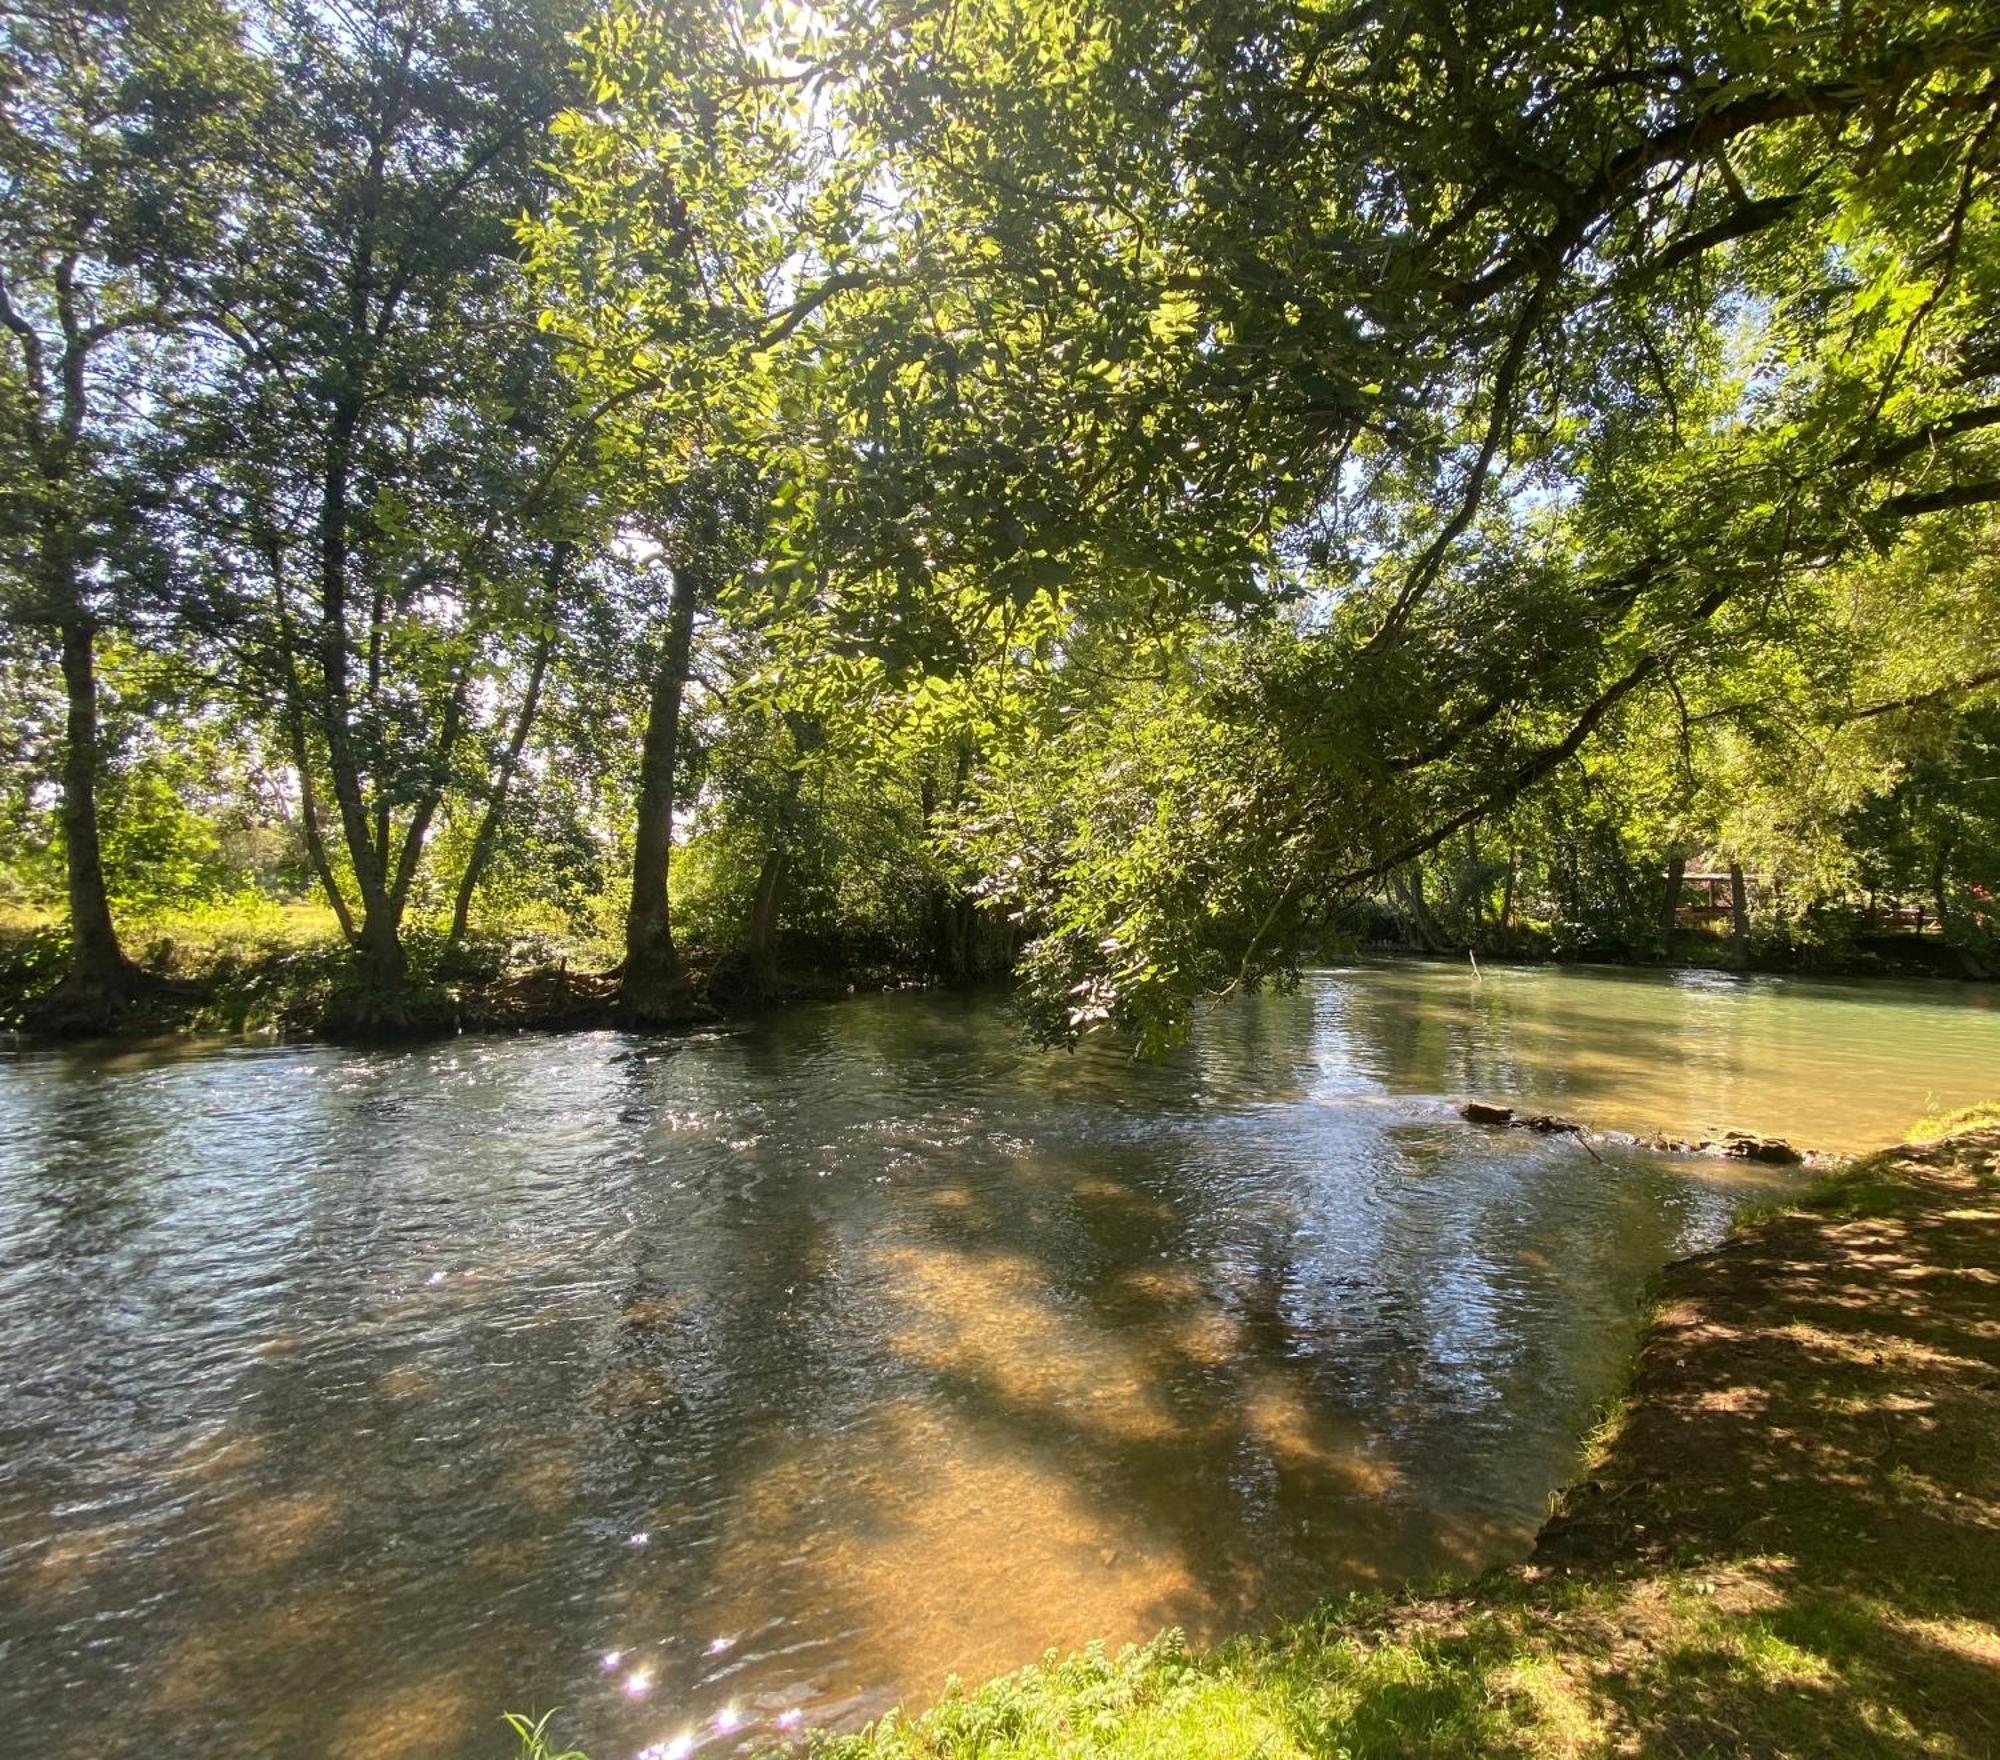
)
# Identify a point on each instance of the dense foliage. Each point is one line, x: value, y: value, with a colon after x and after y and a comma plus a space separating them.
x: 1157, y: 488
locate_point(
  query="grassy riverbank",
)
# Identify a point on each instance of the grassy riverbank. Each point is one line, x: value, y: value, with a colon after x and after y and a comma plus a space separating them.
x: 1786, y: 1540
x: 260, y: 966
x: 285, y: 970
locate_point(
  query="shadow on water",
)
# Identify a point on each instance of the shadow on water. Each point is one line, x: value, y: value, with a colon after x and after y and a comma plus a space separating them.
x: 353, y: 1397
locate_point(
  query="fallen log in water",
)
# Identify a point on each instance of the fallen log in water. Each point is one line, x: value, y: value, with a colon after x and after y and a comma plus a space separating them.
x: 1733, y: 1145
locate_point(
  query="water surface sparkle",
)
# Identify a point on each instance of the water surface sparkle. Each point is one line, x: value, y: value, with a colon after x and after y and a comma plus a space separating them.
x: 712, y: 1387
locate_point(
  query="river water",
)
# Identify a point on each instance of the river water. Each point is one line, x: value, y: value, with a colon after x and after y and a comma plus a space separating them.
x: 706, y: 1386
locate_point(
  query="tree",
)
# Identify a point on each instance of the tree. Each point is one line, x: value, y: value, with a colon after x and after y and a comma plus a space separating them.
x: 1531, y: 370
x: 120, y: 138
x: 1167, y: 471
x: 394, y: 489
x: 704, y: 219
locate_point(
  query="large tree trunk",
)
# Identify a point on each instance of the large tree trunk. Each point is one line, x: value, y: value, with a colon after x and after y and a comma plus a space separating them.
x: 1417, y: 913
x: 950, y: 911
x: 1670, y: 904
x: 764, y: 923
x: 100, y: 979
x: 1739, y: 912
x: 653, y: 987
x: 97, y: 964
x: 378, y: 945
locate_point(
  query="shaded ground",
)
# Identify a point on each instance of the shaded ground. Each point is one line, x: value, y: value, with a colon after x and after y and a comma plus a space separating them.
x: 286, y: 972
x: 1788, y: 1542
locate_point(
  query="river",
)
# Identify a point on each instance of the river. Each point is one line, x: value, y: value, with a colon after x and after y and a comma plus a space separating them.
x: 707, y: 1386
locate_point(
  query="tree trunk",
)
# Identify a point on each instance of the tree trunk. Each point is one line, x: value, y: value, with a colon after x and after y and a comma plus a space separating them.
x: 764, y: 909
x: 950, y: 912
x: 100, y: 979
x: 383, y: 872
x: 97, y: 963
x: 1427, y: 938
x: 965, y: 938
x: 653, y: 988
x: 937, y: 902
x: 764, y: 924
x: 1475, y: 888
x: 311, y: 830
x: 383, y: 961
x: 378, y: 946
x: 1670, y: 905
x: 1739, y: 911
x: 1507, y: 893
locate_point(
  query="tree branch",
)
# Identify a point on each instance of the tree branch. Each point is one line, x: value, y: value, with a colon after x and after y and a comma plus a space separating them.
x: 1917, y: 699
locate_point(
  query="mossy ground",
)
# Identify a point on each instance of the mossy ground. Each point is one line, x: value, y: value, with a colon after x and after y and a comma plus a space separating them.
x: 1786, y: 1543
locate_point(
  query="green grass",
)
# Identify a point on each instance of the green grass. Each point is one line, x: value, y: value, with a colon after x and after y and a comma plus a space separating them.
x: 534, y: 1738
x: 250, y: 964
x: 1948, y: 1124
x: 1359, y: 1680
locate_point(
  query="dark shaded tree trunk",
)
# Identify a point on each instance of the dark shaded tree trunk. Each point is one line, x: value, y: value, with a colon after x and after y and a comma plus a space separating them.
x: 1670, y: 903
x: 1475, y: 889
x: 965, y: 938
x: 951, y: 913
x: 100, y: 980
x: 652, y: 986
x: 384, y: 869
x: 776, y: 869
x: 764, y: 923
x: 938, y: 902
x: 1739, y: 912
x: 98, y: 966
x: 311, y: 830
x: 378, y: 944
x: 1416, y: 910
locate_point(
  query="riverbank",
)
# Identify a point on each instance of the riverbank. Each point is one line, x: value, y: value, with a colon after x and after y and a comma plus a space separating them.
x: 1784, y: 1541
x: 285, y: 973
x: 1895, y: 955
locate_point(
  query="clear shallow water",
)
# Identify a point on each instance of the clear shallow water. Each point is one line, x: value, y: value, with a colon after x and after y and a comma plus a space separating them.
x: 1839, y: 1066
x: 349, y: 1398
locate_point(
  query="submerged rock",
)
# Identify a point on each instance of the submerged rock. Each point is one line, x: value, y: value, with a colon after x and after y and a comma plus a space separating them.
x: 1745, y: 1147
x: 1549, y: 1125
x: 1736, y: 1145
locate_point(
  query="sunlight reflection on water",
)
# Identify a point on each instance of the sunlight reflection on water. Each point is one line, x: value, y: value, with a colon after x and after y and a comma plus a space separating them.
x: 710, y: 1387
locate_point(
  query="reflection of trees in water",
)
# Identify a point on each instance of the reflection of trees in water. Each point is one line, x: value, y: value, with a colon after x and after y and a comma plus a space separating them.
x: 871, y: 1317
x: 1471, y: 1296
